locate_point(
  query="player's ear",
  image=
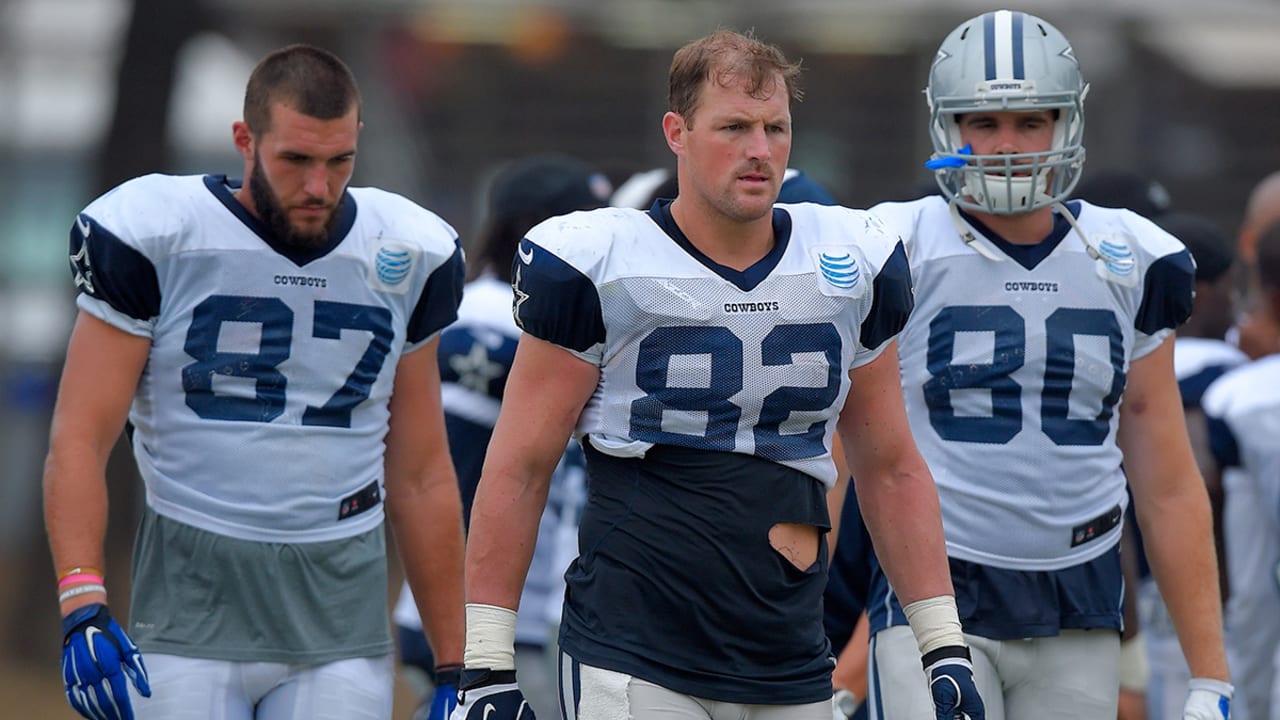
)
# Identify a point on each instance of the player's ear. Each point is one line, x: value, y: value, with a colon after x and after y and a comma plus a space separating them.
x: 243, y: 138
x: 673, y: 129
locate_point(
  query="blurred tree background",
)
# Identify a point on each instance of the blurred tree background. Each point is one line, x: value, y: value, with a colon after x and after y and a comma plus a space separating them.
x: 98, y: 91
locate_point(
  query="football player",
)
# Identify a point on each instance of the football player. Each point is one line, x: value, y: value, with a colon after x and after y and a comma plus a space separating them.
x: 705, y: 351
x: 1243, y: 410
x: 475, y: 360
x: 252, y: 334
x: 1039, y: 354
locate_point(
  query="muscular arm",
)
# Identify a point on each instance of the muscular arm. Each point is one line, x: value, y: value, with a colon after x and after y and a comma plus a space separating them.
x: 895, y: 489
x: 101, y: 373
x: 1173, y: 509
x: 545, y: 393
x: 835, y: 496
x: 423, y: 504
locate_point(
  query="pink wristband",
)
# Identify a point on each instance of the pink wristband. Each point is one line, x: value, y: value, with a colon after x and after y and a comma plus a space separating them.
x: 78, y: 579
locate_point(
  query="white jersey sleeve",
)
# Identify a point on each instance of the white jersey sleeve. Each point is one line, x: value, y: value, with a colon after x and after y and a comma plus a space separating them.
x: 262, y: 410
x: 698, y: 355
x: 1242, y: 408
x: 1013, y: 369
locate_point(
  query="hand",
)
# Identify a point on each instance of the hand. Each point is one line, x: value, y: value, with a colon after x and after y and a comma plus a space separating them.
x: 445, y: 698
x: 96, y: 657
x: 490, y: 695
x: 843, y: 704
x: 1208, y: 700
x: 950, y: 673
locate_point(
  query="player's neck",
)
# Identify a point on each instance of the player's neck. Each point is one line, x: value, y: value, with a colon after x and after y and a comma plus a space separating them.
x: 245, y: 198
x: 1020, y: 229
x: 731, y: 243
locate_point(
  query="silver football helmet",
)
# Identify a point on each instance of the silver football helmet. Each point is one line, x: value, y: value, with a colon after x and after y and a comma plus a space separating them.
x: 1006, y: 61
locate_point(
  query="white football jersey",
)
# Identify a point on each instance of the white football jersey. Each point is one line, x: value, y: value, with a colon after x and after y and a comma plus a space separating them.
x: 1012, y: 371
x: 1243, y: 410
x: 698, y: 355
x: 262, y: 410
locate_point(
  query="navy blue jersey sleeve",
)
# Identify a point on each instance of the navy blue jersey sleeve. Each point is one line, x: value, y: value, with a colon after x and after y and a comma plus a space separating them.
x: 1167, y: 293
x: 106, y: 268
x: 892, y: 300
x: 1222, y: 443
x: 554, y: 301
x: 437, y: 308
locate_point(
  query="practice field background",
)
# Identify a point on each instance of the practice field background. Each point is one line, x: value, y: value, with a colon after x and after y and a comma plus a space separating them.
x: 98, y: 91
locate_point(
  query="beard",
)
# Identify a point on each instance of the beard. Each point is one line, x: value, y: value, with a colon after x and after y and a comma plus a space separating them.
x: 272, y: 214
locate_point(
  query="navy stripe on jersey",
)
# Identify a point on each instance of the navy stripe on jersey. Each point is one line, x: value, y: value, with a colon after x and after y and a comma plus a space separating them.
x: 1222, y: 443
x: 106, y: 268
x: 554, y: 301
x: 746, y: 280
x: 437, y: 308
x: 892, y: 301
x: 1028, y: 256
x: 1167, y: 293
x: 1003, y: 604
x: 222, y: 188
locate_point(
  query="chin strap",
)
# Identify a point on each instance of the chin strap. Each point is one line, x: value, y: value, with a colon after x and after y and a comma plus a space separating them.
x: 979, y: 244
x: 1071, y: 220
x: 1113, y: 263
x: 1110, y: 267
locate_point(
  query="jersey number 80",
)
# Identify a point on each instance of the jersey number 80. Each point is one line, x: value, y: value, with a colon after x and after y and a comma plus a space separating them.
x: 1009, y: 330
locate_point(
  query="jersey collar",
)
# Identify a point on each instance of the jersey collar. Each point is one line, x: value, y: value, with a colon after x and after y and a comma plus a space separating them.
x: 1028, y: 256
x: 222, y: 189
x: 745, y: 280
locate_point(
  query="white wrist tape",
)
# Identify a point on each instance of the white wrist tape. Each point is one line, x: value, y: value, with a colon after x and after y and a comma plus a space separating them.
x: 491, y: 637
x: 1226, y: 690
x: 935, y: 623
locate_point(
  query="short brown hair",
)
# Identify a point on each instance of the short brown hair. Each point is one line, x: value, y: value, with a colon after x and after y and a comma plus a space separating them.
x: 312, y: 81
x: 725, y: 56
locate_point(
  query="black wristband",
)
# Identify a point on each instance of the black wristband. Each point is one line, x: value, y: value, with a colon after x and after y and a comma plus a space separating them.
x: 945, y: 653
x: 449, y: 674
x: 479, y: 677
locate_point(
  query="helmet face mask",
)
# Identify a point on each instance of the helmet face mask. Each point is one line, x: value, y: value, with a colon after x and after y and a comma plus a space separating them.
x: 1006, y: 61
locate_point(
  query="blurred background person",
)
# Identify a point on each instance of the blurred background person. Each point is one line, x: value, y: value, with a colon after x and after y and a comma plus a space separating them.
x: 475, y: 359
x: 1200, y: 356
x: 1243, y: 412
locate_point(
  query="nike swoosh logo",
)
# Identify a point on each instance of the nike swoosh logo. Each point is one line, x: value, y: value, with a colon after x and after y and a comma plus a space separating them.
x: 525, y: 257
x: 83, y: 225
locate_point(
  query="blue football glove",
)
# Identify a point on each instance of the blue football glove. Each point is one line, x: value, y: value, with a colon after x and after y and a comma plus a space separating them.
x: 96, y: 657
x: 445, y: 698
x: 1208, y: 700
x: 950, y: 673
x: 490, y: 695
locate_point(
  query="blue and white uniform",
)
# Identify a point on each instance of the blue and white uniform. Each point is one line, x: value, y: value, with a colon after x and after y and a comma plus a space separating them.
x: 1197, y: 362
x: 1243, y: 412
x: 260, y: 418
x: 475, y: 359
x: 1012, y: 370
x: 712, y: 421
